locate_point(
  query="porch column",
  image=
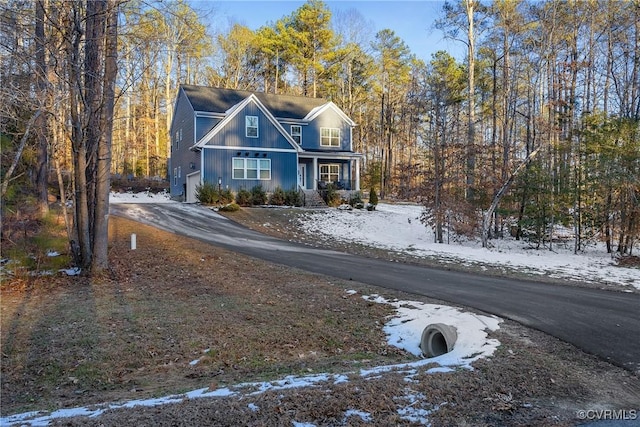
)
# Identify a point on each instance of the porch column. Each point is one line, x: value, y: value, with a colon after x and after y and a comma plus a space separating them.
x: 358, y: 174
x: 315, y: 173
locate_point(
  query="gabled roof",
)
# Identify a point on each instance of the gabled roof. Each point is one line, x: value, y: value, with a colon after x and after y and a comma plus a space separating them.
x: 330, y: 105
x: 217, y: 100
x: 234, y: 110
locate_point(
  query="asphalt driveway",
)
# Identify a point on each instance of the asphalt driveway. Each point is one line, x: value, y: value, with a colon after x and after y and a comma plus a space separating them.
x: 603, y: 323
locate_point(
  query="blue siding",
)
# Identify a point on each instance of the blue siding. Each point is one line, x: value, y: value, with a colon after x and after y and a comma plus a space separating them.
x: 328, y: 119
x: 234, y: 133
x: 270, y: 144
x: 181, y: 156
x: 204, y: 125
x: 219, y: 163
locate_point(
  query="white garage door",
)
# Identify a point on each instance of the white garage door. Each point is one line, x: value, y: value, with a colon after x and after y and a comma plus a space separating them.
x: 193, y: 180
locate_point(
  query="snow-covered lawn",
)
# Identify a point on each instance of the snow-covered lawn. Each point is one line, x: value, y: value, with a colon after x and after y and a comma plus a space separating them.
x: 397, y: 227
x: 144, y: 197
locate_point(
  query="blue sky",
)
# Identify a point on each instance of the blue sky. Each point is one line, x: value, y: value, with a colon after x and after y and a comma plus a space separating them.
x: 410, y: 20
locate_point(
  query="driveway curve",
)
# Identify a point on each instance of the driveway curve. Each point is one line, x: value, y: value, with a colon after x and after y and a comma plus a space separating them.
x: 600, y: 322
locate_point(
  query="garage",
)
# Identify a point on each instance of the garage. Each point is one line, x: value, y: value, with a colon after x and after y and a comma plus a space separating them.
x: 193, y: 180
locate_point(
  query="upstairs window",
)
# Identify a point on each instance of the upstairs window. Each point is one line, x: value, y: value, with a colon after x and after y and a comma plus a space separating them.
x: 178, y: 138
x: 296, y: 134
x: 330, y: 137
x: 251, y: 126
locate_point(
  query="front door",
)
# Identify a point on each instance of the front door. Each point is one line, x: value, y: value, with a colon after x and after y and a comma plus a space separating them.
x: 302, y: 175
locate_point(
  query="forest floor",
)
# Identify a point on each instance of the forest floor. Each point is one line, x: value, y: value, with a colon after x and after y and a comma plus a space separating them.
x: 71, y: 341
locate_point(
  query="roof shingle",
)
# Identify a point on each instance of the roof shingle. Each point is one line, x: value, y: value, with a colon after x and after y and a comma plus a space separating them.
x: 218, y: 100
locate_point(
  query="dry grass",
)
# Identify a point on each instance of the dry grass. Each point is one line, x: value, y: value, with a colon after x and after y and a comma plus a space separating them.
x: 75, y: 341
x: 69, y: 341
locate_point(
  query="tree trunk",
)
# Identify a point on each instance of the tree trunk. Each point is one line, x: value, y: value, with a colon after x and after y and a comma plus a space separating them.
x: 16, y: 159
x: 93, y: 106
x: 486, y: 220
x: 100, y: 260
x: 167, y: 95
x: 471, y: 131
x: 42, y: 165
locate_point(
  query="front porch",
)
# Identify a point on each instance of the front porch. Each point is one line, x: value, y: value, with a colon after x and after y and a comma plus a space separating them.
x: 317, y: 170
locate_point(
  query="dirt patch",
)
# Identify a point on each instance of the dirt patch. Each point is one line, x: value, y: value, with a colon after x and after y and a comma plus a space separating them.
x: 631, y: 261
x: 178, y: 315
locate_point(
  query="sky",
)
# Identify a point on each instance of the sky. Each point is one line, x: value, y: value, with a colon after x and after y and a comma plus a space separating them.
x: 412, y: 21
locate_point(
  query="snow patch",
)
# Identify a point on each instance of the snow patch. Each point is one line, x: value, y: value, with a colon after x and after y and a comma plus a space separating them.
x: 397, y: 227
x: 402, y: 331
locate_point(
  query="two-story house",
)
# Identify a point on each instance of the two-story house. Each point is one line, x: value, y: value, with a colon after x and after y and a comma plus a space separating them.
x: 239, y: 139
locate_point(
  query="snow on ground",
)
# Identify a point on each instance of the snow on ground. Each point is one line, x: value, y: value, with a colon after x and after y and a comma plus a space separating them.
x: 397, y: 227
x: 404, y: 330
x: 143, y: 197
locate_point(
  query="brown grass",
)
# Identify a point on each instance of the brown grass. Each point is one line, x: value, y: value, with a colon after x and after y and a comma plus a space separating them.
x: 69, y: 342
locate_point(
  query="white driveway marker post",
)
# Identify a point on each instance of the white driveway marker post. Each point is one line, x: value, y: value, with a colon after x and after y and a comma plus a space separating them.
x: 133, y: 241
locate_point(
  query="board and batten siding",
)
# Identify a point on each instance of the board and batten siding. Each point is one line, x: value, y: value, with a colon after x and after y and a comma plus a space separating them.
x: 234, y: 133
x: 181, y: 157
x: 218, y: 163
x: 328, y: 119
x: 205, y: 124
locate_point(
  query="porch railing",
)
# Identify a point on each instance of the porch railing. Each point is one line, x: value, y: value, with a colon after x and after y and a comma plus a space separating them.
x: 342, y: 184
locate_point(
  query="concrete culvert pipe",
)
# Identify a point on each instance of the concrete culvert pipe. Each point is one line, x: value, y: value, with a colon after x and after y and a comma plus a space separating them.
x: 438, y: 339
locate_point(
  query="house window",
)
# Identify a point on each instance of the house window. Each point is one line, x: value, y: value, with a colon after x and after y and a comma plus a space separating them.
x: 177, y: 140
x: 329, y: 173
x: 175, y: 176
x: 330, y: 137
x: 296, y: 134
x: 179, y: 171
x: 251, y: 126
x: 251, y: 168
x: 264, y: 171
x: 238, y: 168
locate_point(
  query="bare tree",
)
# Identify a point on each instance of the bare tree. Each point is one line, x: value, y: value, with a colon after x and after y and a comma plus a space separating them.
x: 42, y: 164
x: 91, y: 29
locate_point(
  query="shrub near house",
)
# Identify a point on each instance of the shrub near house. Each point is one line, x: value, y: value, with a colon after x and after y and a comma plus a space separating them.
x: 209, y: 194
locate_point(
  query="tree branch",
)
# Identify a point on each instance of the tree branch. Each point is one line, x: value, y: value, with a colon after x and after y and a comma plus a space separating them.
x: 23, y: 143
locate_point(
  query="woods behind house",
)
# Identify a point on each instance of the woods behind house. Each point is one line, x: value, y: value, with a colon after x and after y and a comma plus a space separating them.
x: 534, y: 130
